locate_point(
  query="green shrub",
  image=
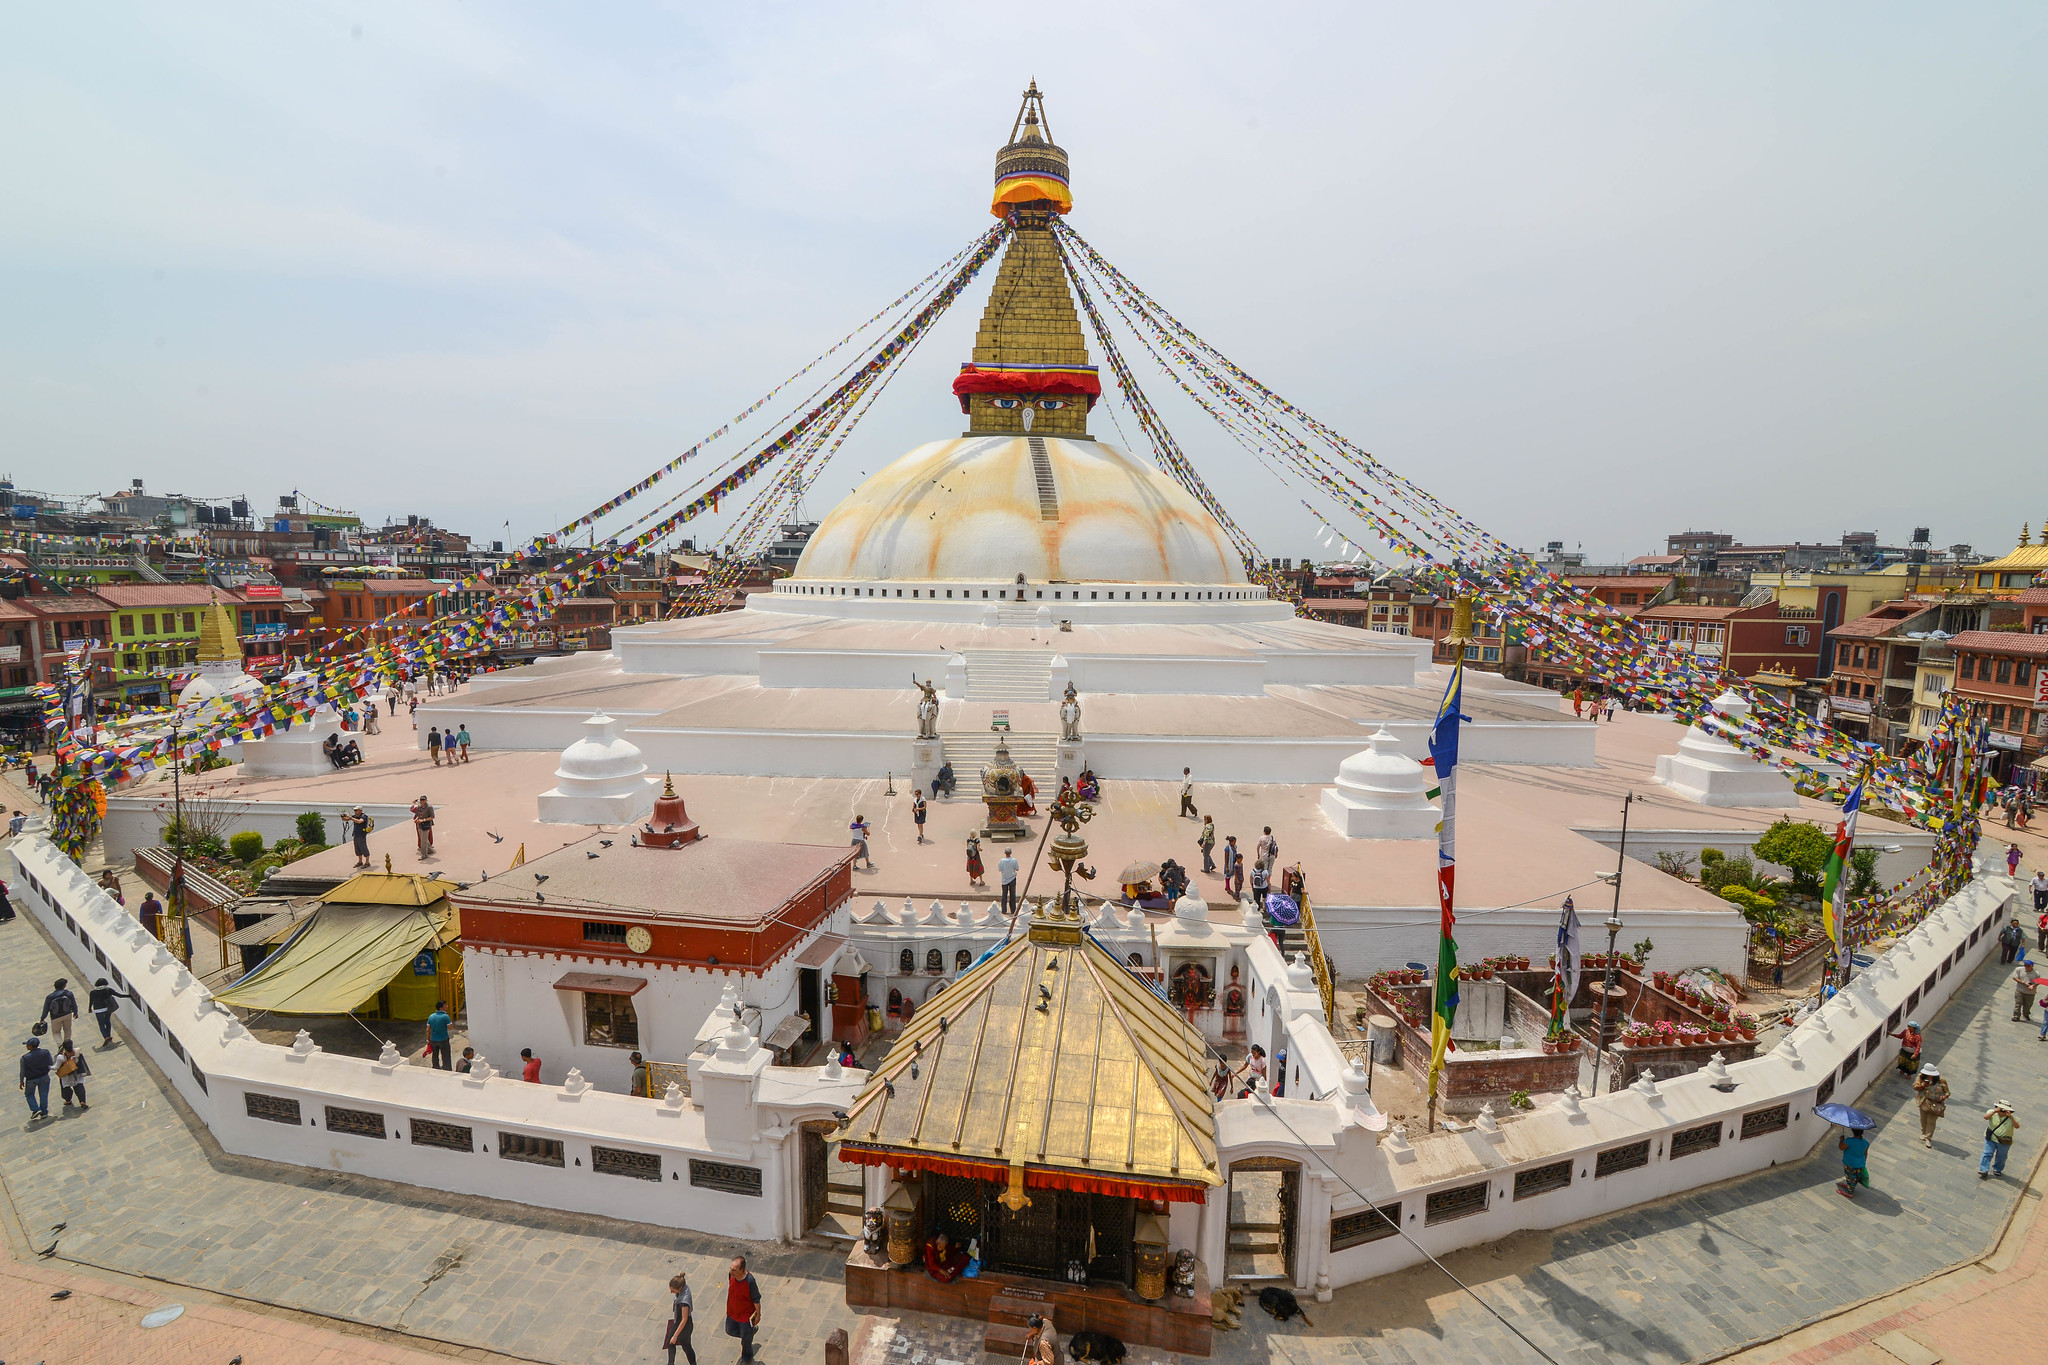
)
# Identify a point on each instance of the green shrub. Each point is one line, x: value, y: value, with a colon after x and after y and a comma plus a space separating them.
x: 1863, y: 879
x: 197, y: 843
x: 1725, y: 872
x: 312, y: 828
x: 1710, y: 856
x: 1799, y: 847
x: 247, y: 846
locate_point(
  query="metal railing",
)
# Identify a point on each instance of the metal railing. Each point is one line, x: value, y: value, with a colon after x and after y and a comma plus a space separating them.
x: 1326, y: 985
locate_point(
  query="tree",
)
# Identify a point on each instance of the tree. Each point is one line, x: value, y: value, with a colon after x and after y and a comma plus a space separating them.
x: 1801, y: 849
x: 1863, y: 873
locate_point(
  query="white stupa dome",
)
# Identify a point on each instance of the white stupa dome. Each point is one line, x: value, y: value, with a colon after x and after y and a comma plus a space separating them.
x: 1380, y: 775
x: 602, y: 779
x: 987, y: 507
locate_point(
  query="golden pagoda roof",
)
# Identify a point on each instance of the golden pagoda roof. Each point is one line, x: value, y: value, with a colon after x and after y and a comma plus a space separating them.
x: 2023, y: 556
x: 1051, y: 1054
x: 388, y: 888
x: 219, y: 641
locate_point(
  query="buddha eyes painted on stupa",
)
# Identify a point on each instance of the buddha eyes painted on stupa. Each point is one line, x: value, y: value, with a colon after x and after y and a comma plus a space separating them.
x: 1007, y: 403
x: 1051, y: 404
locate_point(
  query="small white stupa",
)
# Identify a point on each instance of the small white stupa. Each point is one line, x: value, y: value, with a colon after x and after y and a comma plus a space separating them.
x: 1711, y: 771
x: 220, y: 659
x: 1381, y: 793
x: 602, y: 780
x: 296, y: 752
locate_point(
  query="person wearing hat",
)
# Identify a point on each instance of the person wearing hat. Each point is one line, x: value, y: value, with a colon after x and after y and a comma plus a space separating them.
x: 359, y: 826
x: 36, y: 1065
x: 1999, y: 1127
x: 2023, y: 983
x: 1909, y: 1047
x: 1930, y: 1088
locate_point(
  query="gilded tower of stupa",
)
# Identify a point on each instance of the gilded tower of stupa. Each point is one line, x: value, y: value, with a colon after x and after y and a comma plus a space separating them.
x: 1030, y: 371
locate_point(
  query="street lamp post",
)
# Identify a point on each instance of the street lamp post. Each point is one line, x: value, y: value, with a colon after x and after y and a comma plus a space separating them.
x: 1614, y: 928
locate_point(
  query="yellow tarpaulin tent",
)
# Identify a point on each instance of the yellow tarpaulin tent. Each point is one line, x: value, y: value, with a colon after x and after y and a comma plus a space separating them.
x: 343, y: 956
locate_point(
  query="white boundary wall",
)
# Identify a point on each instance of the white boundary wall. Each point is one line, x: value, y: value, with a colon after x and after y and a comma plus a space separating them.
x: 216, y: 1064
x: 1346, y: 1169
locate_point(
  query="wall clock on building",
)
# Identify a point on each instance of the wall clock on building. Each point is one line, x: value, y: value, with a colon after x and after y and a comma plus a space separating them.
x: 639, y: 939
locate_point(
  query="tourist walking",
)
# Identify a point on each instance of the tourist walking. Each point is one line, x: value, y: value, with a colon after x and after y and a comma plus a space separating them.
x: 60, y: 1007
x: 2023, y: 983
x: 15, y: 822
x: 2012, y: 860
x: 917, y: 813
x: 71, y: 1074
x: 677, y: 1335
x: 423, y: 824
x: 1206, y: 841
x: 742, y: 1306
x: 433, y: 743
x: 370, y: 719
x: 462, y: 742
x: 2010, y: 941
x: 529, y: 1069
x: 1855, y: 1147
x: 859, y: 829
x: 1909, y: 1047
x: 150, y: 912
x: 36, y: 1065
x: 358, y: 826
x: 100, y: 1000
x: 1187, y: 792
x: 1006, y: 869
x: 1267, y: 851
x: 974, y: 870
x: 1999, y: 1128
x: 6, y: 906
x: 1233, y: 868
x: 412, y: 707
x: 1930, y: 1090
x: 438, y: 1025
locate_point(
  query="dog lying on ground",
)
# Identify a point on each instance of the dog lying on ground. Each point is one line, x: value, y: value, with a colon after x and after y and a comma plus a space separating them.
x: 1226, y: 1308
x: 1098, y: 1347
x: 1282, y: 1304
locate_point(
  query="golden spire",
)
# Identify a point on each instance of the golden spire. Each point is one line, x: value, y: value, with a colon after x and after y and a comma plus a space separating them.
x: 219, y: 642
x: 668, y: 786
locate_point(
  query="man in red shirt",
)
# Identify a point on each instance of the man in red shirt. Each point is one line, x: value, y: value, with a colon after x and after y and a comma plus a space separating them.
x: 742, y: 1306
x: 531, y: 1070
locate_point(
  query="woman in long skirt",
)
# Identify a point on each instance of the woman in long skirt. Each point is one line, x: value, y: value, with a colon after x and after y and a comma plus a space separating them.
x: 974, y: 860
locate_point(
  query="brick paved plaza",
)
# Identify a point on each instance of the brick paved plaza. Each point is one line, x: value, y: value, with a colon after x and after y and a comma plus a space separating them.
x: 146, y: 1194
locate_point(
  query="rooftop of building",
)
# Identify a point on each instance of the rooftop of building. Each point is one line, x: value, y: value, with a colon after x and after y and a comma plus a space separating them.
x: 2000, y: 642
x: 723, y: 879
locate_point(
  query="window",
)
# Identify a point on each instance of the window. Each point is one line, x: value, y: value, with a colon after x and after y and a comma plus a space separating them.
x: 609, y: 1021
x: 1857, y: 657
x: 726, y: 1177
x: 361, y: 1122
x: 1542, y: 1179
x: 539, y: 1151
x: 1758, y: 1122
x: 1701, y: 1138
x: 2022, y: 672
x: 127, y: 625
x: 451, y: 1137
x: 619, y: 1161
x: 271, y: 1108
x: 148, y: 624
x: 2005, y: 670
x: 1368, y: 1224
x: 1615, y: 1160
x: 1825, y: 1091
x: 1462, y: 1202
x: 596, y: 932
x: 1998, y: 717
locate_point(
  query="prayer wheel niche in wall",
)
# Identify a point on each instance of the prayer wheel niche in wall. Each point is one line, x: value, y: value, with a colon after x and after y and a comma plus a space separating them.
x: 900, y: 1210
x: 1148, y: 1258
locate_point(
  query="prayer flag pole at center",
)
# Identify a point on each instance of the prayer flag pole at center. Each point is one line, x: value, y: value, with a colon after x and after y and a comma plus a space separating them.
x: 1443, y: 753
x: 1834, y: 900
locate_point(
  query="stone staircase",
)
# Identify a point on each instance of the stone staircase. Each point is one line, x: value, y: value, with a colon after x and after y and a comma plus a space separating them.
x: 971, y: 751
x: 1009, y: 675
x: 1018, y: 613
x: 843, y: 1210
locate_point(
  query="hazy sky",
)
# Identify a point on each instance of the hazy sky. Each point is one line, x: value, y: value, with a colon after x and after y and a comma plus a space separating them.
x: 1589, y: 272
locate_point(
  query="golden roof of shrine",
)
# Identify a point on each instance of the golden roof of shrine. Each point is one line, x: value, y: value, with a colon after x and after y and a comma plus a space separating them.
x: 1052, y: 1053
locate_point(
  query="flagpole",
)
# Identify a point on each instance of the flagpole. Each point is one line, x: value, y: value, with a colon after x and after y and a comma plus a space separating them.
x: 1443, y: 752
x: 1613, y: 933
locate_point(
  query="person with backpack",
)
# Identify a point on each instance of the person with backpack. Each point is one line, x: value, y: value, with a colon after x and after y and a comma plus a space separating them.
x: 359, y: 826
x: 71, y: 1073
x: 1206, y: 841
x: 1999, y: 1129
x: 101, y: 1001
x: 742, y: 1306
x: 434, y: 744
x: 60, y: 1007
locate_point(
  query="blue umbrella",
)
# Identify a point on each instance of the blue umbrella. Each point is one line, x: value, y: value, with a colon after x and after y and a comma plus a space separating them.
x: 1844, y: 1115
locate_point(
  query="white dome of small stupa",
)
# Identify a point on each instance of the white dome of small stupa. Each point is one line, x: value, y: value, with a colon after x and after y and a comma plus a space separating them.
x: 1381, y: 793
x: 602, y: 779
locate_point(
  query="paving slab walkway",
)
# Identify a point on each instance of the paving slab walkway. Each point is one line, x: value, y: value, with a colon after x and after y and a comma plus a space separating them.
x: 145, y: 1192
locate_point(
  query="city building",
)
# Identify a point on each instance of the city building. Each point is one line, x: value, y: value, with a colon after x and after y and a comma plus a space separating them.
x: 2015, y: 572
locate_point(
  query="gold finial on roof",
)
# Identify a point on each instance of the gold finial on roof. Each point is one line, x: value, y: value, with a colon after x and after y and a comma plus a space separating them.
x: 219, y: 642
x: 2026, y: 532
x: 668, y: 783
x: 387, y: 864
x: 1461, y: 617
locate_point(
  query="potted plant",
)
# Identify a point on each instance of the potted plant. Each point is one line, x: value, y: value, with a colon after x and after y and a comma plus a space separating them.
x: 1745, y: 1024
x: 1662, y: 980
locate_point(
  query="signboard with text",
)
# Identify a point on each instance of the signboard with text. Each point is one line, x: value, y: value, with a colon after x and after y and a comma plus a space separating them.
x: 263, y: 590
